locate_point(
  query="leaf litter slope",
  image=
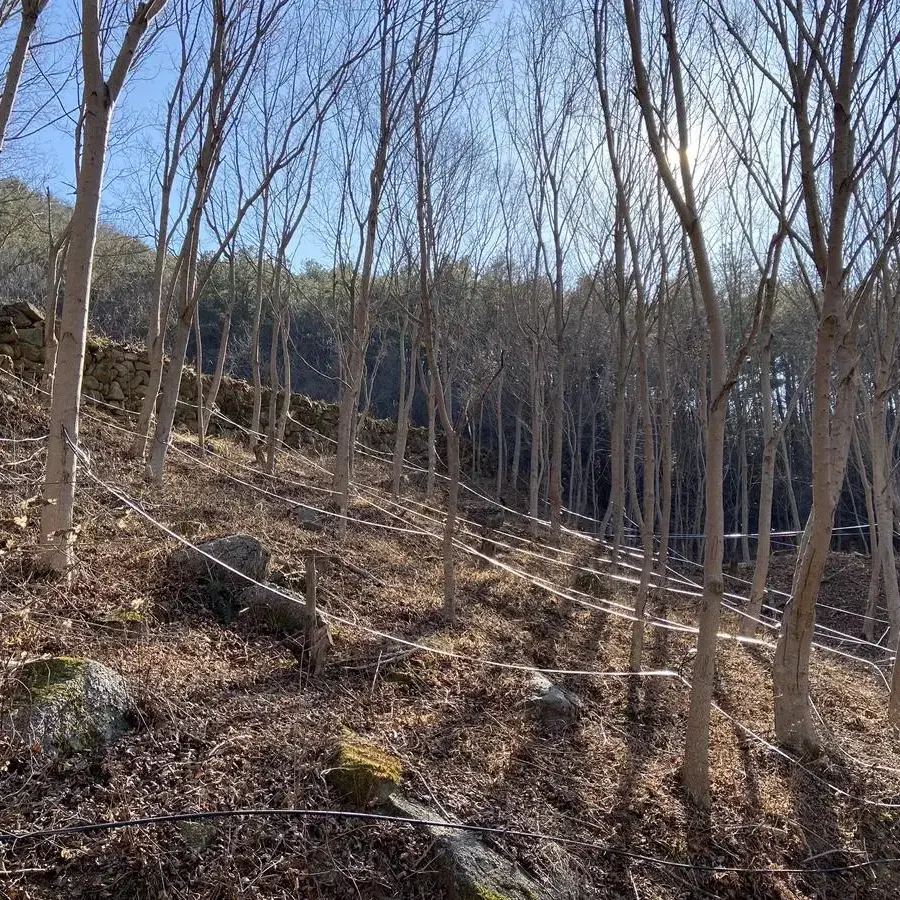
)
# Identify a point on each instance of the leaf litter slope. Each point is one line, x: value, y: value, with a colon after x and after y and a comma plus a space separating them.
x: 230, y: 722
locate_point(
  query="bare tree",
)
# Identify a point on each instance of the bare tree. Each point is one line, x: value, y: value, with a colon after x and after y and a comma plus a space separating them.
x: 308, y: 95
x: 180, y: 129
x: 683, y: 196
x: 100, y: 95
x: 542, y: 111
x: 30, y: 11
x: 400, y: 28
x: 833, y: 75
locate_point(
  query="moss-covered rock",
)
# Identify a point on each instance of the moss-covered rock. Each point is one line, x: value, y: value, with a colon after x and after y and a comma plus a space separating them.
x: 362, y: 773
x: 129, y: 623
x: 366, y: 776
x: 199, y: 835
x: 67, y: 705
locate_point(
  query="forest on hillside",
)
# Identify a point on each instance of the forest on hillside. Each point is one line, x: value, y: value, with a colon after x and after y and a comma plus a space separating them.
x: 635, y: 266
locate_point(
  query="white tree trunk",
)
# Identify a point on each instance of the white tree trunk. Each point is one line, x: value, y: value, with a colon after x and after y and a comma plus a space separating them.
x: 287, y: 388
x: 99, y: 97
x: 272, y: 414
x: 219, y: 371
x: 198, y: 366
x: 62, y: 461
x: 257, y: 324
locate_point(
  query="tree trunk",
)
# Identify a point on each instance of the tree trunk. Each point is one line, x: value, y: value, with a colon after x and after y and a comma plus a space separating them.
x: 287, y: 388
x: 168, y: 402
x: 56, y: 261
x: 98, y: 99
x: 766, y: 486
x: 745, y: 488
x: 875, y: 556
x: 515, y: 468
x: 198, y: 366
x: 789, y: 484
x: 219, y: 372
x: 256, y: 372
x: 832, y: 426
x: 272, y: 413
x: 432, y: 435
x: 884, y: 511
x: 62, y: 461
x: 554, y: 491
x: 404, y: 407
x: 647, y: 521
x: 534, y: 473
x: 450, y: 525
x: 501, y: 443
x: 634, y: 500
x: 156, y: 328
x: 31, y: 9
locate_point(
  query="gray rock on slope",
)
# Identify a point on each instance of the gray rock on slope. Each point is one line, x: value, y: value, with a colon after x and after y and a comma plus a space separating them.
x: 367, y: 777
x: 550, y: 701
x: 271, y: 607
x: 472, y: 870
x: 67, y: 705
x: 224, y: 590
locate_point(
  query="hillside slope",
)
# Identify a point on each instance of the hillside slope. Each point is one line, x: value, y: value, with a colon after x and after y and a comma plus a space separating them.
x: 229, y: 721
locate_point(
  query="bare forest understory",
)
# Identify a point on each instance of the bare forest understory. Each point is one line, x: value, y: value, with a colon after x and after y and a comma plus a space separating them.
x: 228, y: 720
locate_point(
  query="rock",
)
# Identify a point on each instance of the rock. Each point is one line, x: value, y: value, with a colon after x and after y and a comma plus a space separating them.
x: 471, y: 869
x: 67, y: 705
x: 552, y: 701
x: 487, y: 515
x: 89, y: 383
x: 366, y: 776
x: 22, y: 313
x: 362, y: 773
x: 115, y: 392
x: 129, y: 623
x: 33, y: 336
x: 308, y: 518
x: 199, y: 836
x: 272, y: 609
x: 32, y: 353
x: 7, y: 350
x: 222, y: 590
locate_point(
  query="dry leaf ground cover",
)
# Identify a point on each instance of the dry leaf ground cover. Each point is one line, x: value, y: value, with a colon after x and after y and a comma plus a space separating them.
x: 229, y: 720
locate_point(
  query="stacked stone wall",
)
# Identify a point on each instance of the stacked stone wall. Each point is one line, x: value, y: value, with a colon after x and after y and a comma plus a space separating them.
x: 118, y: 374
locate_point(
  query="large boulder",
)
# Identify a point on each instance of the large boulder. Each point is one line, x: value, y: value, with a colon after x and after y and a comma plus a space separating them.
x: 221, y: 588
x: 471, y: 870
x: 22, y: 313
x: 33, y: 336
x: 67, y: 705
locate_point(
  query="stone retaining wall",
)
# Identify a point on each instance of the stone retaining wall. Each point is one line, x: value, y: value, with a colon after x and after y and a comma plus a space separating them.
x: 118, y: 374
